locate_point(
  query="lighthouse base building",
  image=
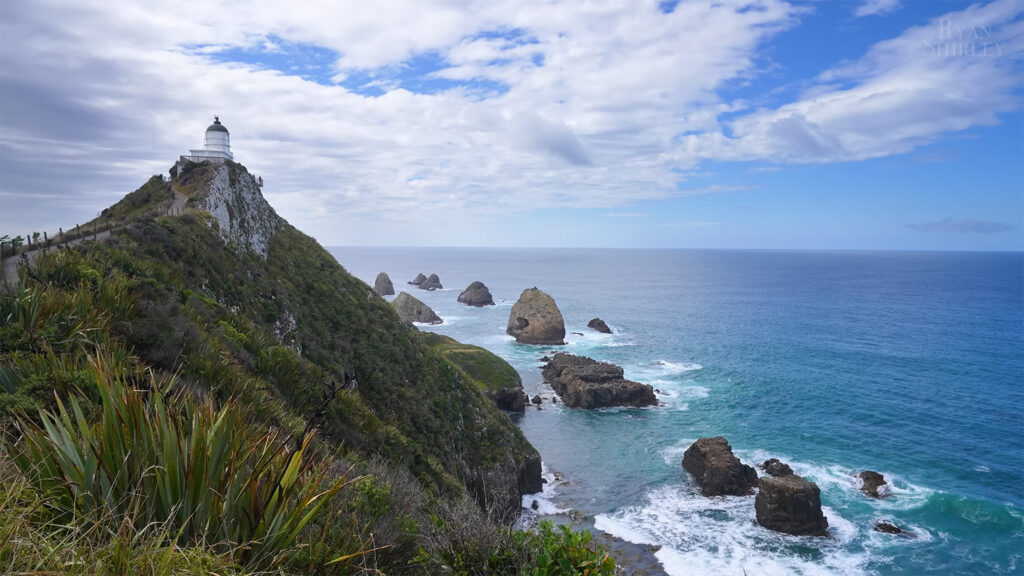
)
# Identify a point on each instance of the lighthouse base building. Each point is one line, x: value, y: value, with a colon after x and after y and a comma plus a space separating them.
x: 216, y: 146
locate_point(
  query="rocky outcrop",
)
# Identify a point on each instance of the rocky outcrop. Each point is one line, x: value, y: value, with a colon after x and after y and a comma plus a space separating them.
x: 586, y: 383
x: 599, y: 325
x: 244, y: 218
x: 791, y: 505
x: 874, y: 484
x: 383, y: 286
x: 431, y: 283
x: 412, y: 310
x: 890, y: 528
x: 775, y: 467
x: 476, y: 294
x: 716, y: 470
x: 509, y: 399
x: 419, y: 279
x: 535, y: 319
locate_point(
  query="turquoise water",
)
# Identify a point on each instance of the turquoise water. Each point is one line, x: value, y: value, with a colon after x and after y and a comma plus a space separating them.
x: 911, y: 364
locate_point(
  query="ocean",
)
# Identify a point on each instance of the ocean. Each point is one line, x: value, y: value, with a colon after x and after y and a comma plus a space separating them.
x: 907, y: 363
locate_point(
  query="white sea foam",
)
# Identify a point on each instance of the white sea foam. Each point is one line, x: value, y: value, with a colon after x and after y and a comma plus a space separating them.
x: 719, y: 536
x: 982, y: 468
x: 545, y: 506
x: 677, y: 367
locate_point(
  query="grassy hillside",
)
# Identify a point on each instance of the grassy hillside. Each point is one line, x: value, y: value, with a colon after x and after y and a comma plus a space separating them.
x: 290, y: 342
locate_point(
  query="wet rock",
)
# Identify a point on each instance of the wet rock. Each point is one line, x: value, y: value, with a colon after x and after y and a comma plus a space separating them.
x: 874, y: 484
x: 774, y: 467
x: 509, y: 399
x: 889, y: 528
x: 536, y: 399
x: 716, y: 470
x: 586, y: 383
x: 791, y: 505
x: 599, y: 325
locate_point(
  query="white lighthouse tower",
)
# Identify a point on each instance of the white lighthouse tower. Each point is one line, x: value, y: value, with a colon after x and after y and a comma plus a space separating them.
x: 216, y: 146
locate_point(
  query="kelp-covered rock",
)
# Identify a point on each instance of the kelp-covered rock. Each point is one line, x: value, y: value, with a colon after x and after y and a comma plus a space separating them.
x: 536, y: 319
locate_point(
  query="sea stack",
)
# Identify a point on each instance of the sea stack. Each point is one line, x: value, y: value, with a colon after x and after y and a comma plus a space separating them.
x: 411, y: 310
x: 874, y: 484
x: 599, y: 325
x: 535, y: 319
x: 791, y: 505
x: 476, y: 294
x: 716, y: 470
x: 419, y: 279
x: 383, y: 286
x: 431, y: 283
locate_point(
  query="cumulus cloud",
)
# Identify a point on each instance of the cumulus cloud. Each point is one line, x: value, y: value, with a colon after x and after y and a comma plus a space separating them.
x: 528, y: 104
x: 965, y: 226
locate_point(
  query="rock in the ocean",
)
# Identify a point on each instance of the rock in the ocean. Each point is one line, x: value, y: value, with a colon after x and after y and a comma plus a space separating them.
x: 872, y: 482
x: 383, y: 286
x: 431, y: 283
x: 791, y: 505
x: 586, y: 383
x: 775, y: 467
x: 536, y: 399
x: 535, y: 319
x: 476, y: 294
x: 412, y: 310
x: 716, y: 470
x: 599, y: 325
x: 889, y: 528
x: 419, y: 279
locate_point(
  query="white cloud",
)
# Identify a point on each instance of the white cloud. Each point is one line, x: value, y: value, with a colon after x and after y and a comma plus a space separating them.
x: 873, y: 7
x: 98, y: 96
x: 958, y: 71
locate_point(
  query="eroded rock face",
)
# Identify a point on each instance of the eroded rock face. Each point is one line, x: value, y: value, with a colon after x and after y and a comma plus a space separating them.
x: 586, y: 383
x: 476, y: 294
x: 419, y: 279
x: 716, y: 470
x: 599, y: 325
x: 243, y: 215
x: 775, y: 467
x: 509, y: 399
x: 412, y: 310
x: 383, y: 286
x: 431, y: 283
x: 791, y: 505
x: 535, y: 319
x: 873, y: 484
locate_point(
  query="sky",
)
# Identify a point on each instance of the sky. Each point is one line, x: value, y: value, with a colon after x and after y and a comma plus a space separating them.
x: 764, y: 124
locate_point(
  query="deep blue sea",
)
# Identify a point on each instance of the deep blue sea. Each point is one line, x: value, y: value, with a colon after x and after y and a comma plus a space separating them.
x: 908, y: 363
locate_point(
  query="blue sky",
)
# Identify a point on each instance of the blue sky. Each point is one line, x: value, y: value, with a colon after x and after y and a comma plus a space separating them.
x: 875, y: 124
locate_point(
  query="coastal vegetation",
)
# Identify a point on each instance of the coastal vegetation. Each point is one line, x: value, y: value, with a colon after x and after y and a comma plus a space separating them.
x: 172, y: 403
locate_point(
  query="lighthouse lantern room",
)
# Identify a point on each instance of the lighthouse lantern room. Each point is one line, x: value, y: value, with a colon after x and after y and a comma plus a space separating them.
x: 216, y: 146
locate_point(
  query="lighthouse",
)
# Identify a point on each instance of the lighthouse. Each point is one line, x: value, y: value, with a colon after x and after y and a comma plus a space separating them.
x: 216, y: 145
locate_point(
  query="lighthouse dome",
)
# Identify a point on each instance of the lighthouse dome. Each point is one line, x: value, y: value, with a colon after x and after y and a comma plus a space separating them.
x: 216, y: 126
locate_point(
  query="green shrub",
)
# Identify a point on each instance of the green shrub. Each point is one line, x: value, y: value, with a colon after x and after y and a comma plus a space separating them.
x: 157, y: 458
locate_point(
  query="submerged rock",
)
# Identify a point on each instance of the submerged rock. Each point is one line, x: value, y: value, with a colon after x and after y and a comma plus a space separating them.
x: 476, y: 294
x: 535, y: 319
x: 586, y: 383
x: 716, y: 470
x: 383, y: 286
x: 599, y: 325
x: 431, y: 283
x: 791, y: 505
x: 412, y: 310
x: 419, y: 279
x: 873, y: 481
x: 775, y: 467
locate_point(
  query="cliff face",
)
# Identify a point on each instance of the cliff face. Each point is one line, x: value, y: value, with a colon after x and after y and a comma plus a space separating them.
x: 293, y: 322
x: 243, y: 216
